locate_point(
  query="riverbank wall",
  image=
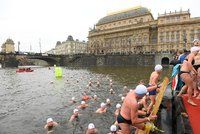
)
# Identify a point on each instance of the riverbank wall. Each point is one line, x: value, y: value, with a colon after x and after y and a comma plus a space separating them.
x: 109, y: 60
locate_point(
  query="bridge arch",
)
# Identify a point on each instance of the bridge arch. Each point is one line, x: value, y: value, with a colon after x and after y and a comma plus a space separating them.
x: 165, y: 61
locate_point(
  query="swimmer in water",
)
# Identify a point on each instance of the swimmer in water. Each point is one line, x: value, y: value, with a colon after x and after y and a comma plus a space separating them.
x: 91, y: 129
x: 108, y: 103
x: 74, y: 115
x: 114, y: 130
x: 73, y: 100
x: 111, y: 91
x: 95, y: 97
x: 118, y: 107
x: 98, y: 84
x: 122, y: 98
x: 102, y: 109
x: 83, y: 105
x: 111, y: 85
x: 117, y: 111
x: 85, y: 97
x: 50, y: 125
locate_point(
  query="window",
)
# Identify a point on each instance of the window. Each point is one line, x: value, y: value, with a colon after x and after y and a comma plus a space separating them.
x: 172, y: 36
x: 167, y: 36
x: 177, y: 36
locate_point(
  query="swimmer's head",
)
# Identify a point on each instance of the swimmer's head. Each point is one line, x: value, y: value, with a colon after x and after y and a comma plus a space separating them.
x: 91, y: 126
x: 95, y: 96
x: 82, y: 102
x: 75, y: 111
x: 195, y: 41
x: 122, y: 98
x: 110, y: 81
x: 103, y: 105
x: 118, y: 106
x: 111, y: 90
x: 73, y: 98
x: 141, y: 90
x: 113, y: 128
x: 107, y: 100
x: 158, y: 68
x: 49, y: 120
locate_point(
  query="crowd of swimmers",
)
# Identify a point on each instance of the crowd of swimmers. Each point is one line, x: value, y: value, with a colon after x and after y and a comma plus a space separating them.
x: 133, y: 112
x: 189, y: 73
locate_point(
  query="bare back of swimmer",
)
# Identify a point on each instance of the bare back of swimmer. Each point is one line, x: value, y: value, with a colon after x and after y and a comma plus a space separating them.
x: 186, y: 73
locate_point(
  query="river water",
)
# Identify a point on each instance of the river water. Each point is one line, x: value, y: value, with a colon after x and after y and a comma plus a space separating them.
x: 28, y: 99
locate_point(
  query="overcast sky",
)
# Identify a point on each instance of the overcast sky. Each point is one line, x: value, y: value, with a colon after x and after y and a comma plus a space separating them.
x: 28, y: 21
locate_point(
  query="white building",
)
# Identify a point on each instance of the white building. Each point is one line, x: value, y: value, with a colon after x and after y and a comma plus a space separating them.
x: 70, y: 46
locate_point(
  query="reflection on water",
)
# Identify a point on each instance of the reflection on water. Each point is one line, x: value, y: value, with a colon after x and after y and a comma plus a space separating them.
x: 28, y: 99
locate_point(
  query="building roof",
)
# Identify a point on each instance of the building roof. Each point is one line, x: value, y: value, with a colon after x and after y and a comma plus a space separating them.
x: 125, y: 14
x: 9, y: 41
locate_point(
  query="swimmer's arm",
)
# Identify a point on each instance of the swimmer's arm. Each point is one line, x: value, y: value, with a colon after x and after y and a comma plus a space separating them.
x: 134, y: 116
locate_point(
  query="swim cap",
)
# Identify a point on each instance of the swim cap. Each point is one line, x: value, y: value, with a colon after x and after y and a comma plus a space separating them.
x: 194, y: 49
x: 95, y: 96
x: 113, y: 128
x: 103, y: 105
x: 195, y: 40
x: 107, y: 100
x: 73, y: 98
x: 111, y: 90
x: 75, y: 110
x: 49, y: 120
x: 141, y: 90
x: 122, y: 98
x: 91, y: 126
x: 118, y: 106
x: 158, y: 67
x: 82, y: 102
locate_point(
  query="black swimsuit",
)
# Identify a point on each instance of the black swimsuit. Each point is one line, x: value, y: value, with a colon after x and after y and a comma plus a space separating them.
x: 120, y: 119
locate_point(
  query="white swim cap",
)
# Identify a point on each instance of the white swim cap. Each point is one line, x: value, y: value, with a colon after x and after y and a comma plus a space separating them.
x: 195, y: 40
x: 75, y: 110
x: 118, y: 106
x: 111, y: 90
x: 141, y: 90
x: 113, y: 128
x: 95, y: 96
x: 91, y: 126
x: 103, y: 105
x: 107, y: 100
x: 73, y: 98
x: 194, y: 49
x: 49, y: 120
x: 82, y: 102
x: 158, y: 68
x: 122, y: 98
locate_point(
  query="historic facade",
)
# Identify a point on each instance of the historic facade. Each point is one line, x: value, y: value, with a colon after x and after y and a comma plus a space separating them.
x: 8, y: 46
x: 136, y: 31
x: 70, y: 46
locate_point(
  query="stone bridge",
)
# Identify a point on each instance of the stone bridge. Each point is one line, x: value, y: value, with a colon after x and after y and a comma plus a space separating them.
x: 12, y: 60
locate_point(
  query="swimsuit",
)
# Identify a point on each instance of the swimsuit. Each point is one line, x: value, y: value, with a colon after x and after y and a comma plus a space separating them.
x: 153, y: 92
x: 121, y: 119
